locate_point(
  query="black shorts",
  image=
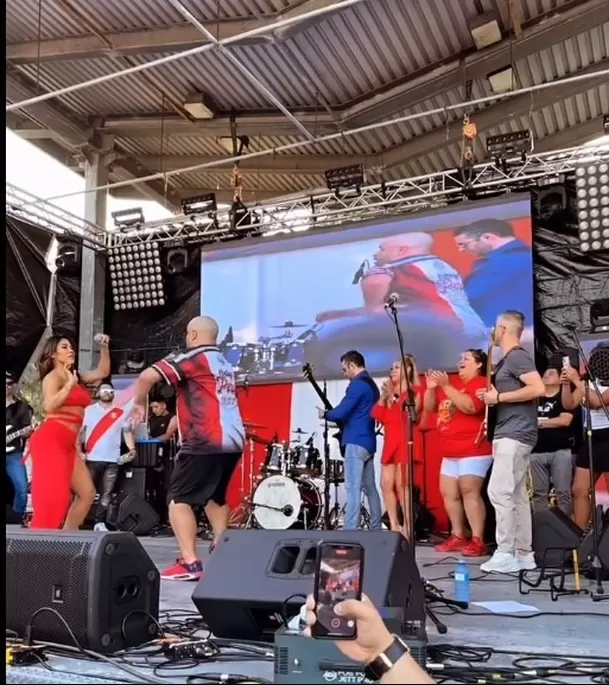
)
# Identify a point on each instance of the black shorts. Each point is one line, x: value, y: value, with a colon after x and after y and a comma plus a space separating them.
x: 201, y: 478
x: 600, y: 452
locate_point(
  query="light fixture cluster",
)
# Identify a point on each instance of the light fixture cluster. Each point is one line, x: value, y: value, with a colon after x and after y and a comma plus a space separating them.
x: 592, y: 186
x: 135, y: 276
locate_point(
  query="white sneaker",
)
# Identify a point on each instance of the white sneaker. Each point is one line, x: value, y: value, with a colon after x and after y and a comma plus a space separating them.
x: 501, y: 562
x: 100, y: 528
x: 526, y: 561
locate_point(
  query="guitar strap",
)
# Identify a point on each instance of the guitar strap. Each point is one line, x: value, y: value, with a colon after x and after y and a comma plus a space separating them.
x: 501, y: 362
x: 102, y: 427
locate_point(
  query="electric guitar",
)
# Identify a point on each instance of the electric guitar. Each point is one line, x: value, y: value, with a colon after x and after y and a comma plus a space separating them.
x: 307, y: 372
x: 14, y: 435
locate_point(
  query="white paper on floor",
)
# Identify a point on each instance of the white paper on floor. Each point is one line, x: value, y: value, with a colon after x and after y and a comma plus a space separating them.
x: 507, y: 607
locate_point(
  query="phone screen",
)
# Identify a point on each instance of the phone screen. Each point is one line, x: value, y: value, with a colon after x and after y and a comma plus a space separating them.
x: 338, y: 577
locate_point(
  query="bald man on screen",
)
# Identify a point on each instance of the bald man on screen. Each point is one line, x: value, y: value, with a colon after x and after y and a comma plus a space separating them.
x: 406, y: 266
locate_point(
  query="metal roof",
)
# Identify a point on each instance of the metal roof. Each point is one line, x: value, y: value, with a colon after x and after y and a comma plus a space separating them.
x: 371, y: 61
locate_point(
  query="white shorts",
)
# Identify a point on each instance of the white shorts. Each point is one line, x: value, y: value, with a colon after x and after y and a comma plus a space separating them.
x: 465, y: 466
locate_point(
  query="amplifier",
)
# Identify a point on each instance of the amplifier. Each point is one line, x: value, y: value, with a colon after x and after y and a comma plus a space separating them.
x: 301, y: 660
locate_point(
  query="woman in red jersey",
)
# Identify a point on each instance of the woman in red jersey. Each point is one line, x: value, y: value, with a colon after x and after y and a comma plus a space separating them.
x: 57, y: 467
x: 467, y: 454
x: 389, y: 411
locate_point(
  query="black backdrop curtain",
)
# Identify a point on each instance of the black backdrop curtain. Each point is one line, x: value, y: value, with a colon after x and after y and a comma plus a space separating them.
x: 27, y: 287
x: 567, y: 280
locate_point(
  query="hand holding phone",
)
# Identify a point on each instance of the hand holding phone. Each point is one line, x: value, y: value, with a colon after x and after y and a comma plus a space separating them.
x: 338, y: 577
x: 566, y: 363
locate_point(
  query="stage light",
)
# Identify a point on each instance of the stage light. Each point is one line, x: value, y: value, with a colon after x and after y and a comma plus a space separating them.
x: 68, y: 256
x: 176, y: 261
x: 599, y: 315
x: 128, y: 218
x: 509, y: 144
x: 592, y: 188
x: 345, y: 178
x: 136, y: 276
x: 201, y: 204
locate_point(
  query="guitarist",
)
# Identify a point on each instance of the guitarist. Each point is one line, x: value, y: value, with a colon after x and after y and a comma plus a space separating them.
x: 513, y: 397
x: 358, y: 439
x: 19, y: 416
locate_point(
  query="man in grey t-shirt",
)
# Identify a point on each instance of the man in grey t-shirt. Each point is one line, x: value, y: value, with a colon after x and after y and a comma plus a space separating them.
x: 517, y: 385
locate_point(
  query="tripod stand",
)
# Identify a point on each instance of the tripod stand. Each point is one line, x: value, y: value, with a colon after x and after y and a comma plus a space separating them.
x: 591, y: 384
x: 409, y: 414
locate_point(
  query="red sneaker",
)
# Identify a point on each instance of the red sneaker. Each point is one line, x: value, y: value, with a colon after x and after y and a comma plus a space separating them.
x: 476, y: 548
x: 453, y: 544
x: 183, y: 571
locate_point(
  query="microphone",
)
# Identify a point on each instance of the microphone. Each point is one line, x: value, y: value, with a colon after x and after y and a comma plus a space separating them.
x: 357, y: 277
x: 288, y: 510
x: 391, y: 301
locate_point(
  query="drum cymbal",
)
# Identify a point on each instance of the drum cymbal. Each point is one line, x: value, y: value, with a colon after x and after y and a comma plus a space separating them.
x: 299, y: 431
x: 290, y: 324
x: 251, y: 425
x: 256, y: 438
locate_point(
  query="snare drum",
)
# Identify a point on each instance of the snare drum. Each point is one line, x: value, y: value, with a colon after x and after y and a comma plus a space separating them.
x: 281, y: 503
x: 288, y: 356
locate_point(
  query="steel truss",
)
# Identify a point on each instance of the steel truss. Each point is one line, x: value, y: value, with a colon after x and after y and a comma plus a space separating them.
x: 51, y: 219
x: 323, y: 209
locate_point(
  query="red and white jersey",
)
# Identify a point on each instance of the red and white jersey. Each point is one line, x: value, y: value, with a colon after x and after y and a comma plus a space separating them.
x: 431, y: 284
x: 209, y: 420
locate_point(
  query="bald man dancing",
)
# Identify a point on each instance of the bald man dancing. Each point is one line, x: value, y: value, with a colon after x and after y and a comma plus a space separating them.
x: 432, y: 306
x: 211, y: 433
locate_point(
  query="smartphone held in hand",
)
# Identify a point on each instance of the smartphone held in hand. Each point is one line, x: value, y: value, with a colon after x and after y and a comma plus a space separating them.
x: 338, y: 577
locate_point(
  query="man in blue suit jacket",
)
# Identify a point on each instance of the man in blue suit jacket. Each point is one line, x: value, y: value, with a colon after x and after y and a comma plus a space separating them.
x: 502, y: 277
x: 359, y: 439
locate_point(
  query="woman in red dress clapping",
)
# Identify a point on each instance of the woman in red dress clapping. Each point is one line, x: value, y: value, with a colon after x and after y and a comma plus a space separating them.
x: 389, y: 411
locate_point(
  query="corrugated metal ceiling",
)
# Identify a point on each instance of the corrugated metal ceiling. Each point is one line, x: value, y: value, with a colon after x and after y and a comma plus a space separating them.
x: 339, y: 60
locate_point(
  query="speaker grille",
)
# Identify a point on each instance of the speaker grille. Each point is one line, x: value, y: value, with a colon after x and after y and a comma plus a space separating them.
x: 59, y: 585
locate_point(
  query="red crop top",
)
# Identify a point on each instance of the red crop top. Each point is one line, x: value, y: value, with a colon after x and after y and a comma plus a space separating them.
x: 78, y: 397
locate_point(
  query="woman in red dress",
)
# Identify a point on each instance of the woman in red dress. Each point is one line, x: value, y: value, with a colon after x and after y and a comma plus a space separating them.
x: 467, y: 454
x: 57, y: 467
x: 389, y: 412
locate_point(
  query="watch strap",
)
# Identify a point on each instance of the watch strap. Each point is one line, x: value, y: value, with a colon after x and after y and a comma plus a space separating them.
x: 377, y: 668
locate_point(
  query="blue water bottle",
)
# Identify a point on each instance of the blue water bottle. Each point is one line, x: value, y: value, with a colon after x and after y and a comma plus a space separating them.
x: 462, y: 578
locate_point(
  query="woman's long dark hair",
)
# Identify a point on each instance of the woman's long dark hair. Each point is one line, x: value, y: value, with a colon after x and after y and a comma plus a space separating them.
x: 45, y: 361
x: 480, y: 357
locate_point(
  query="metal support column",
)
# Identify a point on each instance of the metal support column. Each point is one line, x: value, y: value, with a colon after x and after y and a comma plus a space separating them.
x: 93, y: 283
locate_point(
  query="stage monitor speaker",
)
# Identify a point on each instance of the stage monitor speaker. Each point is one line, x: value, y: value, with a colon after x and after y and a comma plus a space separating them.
x: 104, y: 586
x: 586, y: 550
x: 132, y: 514
x: 554, y: 536
x: 255, y: 579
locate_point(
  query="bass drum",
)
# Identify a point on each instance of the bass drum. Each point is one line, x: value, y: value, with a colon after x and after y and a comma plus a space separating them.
x: 281, y: 503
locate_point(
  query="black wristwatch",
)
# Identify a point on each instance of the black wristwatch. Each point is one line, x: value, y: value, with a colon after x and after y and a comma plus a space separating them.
x: 377, y: 668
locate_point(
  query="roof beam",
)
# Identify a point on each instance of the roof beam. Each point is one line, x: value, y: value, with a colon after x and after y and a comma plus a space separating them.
x: 292, y: 165
x: 485, y: 120
x: 166, y: 39
x: 223, y: 197
x: 74, y: 135
x: 571, y: 137
x: 418, y: 87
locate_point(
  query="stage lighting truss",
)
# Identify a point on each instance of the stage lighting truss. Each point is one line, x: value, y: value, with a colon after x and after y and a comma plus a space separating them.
x: 136, y: 276
x: 51, y: 219
x: 324, y: 210
x: 592, y: 187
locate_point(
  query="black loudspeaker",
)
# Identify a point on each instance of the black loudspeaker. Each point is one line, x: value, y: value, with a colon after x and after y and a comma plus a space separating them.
x: 555, y: 535
x: 131, y: 513
x: 257, y: 578
x: 586, y: 550
x: 104, y: 586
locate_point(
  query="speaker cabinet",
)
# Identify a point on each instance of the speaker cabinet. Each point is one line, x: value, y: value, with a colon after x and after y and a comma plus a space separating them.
x: 555, y: 535
x: 255, y: 579
x: 104, y: 586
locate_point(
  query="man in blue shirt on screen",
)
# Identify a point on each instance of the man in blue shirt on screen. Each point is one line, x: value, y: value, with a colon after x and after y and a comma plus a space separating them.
x: 502, y: 276
x: 359, y: 439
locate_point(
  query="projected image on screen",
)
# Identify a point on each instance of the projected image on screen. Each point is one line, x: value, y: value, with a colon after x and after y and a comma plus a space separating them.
x: 281, y: 303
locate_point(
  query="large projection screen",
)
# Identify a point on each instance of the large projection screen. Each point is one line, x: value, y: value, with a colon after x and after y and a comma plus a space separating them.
x: 310, y: 297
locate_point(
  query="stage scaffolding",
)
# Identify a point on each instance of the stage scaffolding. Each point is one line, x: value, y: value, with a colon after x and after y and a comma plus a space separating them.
x: 323, y: 209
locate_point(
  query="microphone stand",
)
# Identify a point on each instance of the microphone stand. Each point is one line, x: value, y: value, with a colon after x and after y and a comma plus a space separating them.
x: 409, y: 412
x: 326, y: 495
x: 595, y: 563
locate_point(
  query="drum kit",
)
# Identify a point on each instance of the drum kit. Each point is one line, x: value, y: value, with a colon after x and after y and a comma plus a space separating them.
x: 287, y: 490
x: 278, y: 354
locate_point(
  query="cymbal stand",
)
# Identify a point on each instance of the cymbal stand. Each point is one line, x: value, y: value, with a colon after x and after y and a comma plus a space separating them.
x: 326, y: 494
x: 244, y: 512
